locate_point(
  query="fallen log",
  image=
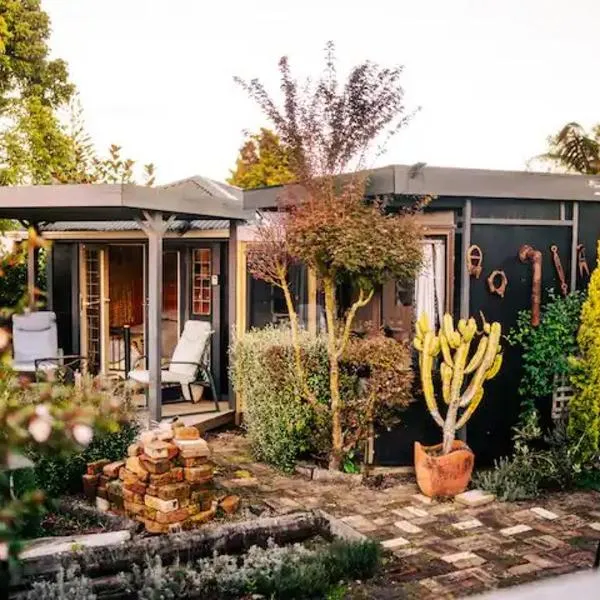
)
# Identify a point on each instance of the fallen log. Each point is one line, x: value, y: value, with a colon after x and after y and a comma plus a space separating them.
x: 230, y: 538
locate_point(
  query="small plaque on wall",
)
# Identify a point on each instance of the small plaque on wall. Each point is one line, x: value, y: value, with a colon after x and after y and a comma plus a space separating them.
x: 214, y: 280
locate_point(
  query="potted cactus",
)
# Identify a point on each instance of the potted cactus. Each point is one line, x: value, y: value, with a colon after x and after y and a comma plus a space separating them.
x: 445, y: 469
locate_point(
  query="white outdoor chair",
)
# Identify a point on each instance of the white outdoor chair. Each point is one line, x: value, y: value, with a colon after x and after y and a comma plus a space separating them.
x: 35, y: 345
x: 189, y: 364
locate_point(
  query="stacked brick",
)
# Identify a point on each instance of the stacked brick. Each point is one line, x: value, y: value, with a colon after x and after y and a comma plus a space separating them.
x: 166, y: 481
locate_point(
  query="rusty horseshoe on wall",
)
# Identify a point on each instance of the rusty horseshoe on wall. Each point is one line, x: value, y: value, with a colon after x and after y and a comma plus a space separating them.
x: 564, y: 288
x: 529, y: 254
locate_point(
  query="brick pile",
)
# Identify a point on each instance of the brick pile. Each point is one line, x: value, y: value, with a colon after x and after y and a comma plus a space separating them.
x: 166, y: 481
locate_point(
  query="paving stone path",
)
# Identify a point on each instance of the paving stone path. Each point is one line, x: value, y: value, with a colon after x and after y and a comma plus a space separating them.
x: 439, y: 549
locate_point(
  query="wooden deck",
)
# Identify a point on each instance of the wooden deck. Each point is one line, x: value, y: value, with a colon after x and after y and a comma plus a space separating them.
x: 197, y: 414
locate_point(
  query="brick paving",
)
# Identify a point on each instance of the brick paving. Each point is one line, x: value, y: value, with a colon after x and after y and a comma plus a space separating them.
x: 437, y: 549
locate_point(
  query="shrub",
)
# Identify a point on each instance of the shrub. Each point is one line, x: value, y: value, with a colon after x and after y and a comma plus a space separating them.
x: 68, y: 586
x: 61, y: 474
x: 530, y: 471
x: 281, y: 425
x: 274, y: 572
x: 584, y: 407
x: 381, y: 367
x: 546, y: 348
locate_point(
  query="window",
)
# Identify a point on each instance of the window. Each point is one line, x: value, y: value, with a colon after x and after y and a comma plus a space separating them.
x: 201, y: 281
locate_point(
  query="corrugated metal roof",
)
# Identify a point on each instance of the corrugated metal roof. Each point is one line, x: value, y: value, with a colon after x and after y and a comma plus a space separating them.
x: 178, y: 226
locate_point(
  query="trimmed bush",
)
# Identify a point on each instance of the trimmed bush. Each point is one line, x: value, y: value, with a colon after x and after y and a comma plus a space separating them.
x: 584, y: 408
x: 281, y: 425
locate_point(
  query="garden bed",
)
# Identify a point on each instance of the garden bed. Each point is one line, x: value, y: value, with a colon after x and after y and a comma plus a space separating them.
x: 118, y: 567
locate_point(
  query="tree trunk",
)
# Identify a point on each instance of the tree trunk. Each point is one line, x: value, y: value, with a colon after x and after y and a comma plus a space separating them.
x: 300, y: 371
x: 335, y: 458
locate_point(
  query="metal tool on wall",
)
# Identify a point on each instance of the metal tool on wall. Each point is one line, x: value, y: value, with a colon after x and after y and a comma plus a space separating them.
x: 564, y: 288
x: 474, y: 261
x: 528, y: 253
x: 582, y: 261
x: 500, y: 288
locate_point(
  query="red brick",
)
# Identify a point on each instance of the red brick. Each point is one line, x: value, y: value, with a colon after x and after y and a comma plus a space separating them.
x: 195, y: 462
x: 174, y: 491
x: 112, y: 469
x: 202, y: 517
x: 154, y: 527
x: 153, y: 466
x: 181, y: 514
x: 198, y: 474
x: 157, y: 450
x: 134, y: 465
x: 130, y: 496
x: 230, y: 504
x: 134, y: 508
x: 90, y: 483
x: 95, y: 468
x: 186, y: 433
x: 173, y: 476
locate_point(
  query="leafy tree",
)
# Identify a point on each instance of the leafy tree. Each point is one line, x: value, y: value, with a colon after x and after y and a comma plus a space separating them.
x: 32, y: 142
x: 329, y: 132
x: 574, y: 149
x: 25, y: 68
x: 262, y: 161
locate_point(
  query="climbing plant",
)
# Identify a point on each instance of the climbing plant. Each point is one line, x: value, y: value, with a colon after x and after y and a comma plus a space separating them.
x: 547, y: 347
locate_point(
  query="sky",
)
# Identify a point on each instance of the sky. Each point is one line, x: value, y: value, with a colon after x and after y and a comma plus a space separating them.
x: 491, y: 78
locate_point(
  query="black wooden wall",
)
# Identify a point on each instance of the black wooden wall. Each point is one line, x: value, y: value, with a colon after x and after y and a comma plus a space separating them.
x: 64, y: 294
x: 490, y: 429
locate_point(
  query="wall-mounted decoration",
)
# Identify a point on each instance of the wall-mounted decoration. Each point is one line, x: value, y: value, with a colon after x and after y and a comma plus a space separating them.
x: 529, y: 254
x: 497, y: 282
x: 474, y: 261
x: 582, y: 261
x: 564, y: 288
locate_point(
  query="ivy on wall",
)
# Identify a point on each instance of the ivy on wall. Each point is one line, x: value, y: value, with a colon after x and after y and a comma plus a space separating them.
x: 547, y: 347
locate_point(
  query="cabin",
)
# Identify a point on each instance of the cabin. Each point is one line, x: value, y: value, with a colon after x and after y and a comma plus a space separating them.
x: 103, y: 265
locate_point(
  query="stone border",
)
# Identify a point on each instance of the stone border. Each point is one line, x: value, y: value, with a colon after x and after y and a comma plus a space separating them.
x: 312, y: 472
x: 232, y: 538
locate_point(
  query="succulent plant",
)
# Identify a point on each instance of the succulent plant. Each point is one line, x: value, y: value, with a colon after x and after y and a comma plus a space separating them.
x: 457, y: 361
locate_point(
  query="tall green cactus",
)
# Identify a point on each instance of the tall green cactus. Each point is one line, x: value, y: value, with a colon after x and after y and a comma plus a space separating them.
x: 455, y: 346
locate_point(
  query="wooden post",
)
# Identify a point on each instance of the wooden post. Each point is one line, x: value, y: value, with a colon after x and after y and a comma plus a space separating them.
x: 155, y: 226
x: 31, y: 275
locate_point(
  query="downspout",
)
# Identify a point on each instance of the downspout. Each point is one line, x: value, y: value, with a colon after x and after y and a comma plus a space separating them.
x: 529, y: 254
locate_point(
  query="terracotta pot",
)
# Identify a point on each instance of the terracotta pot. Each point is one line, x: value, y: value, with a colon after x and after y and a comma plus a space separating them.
x: 443, y: 475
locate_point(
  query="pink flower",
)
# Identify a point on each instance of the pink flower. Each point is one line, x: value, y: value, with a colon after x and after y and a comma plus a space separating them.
x: 40, y: 429
x: 3, y: 551
x: 82, y: 434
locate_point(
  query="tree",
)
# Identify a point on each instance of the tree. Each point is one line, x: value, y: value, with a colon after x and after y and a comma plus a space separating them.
x: 25, y: 69
x: 32, y: 142
x: 330, y: 131
x: 262, y: 161
x: 574, y: 149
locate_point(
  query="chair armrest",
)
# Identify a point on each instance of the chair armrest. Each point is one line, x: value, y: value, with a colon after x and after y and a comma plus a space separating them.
x: 69, y: 358
x: 181, y: 362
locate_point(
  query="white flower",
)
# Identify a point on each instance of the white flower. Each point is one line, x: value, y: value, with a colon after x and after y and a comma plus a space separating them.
x: 83, y: 434
x: 3, y: 551
x: 40, y: 429
x: 41, y: 410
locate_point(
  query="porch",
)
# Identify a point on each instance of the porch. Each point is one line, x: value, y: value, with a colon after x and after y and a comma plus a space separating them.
x: 149, y: 279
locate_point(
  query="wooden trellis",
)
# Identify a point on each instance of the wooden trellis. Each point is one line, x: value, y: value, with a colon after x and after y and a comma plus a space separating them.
x: 561, y: 396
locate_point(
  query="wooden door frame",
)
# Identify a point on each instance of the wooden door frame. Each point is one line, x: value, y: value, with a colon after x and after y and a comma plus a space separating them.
x: 104, y: 302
